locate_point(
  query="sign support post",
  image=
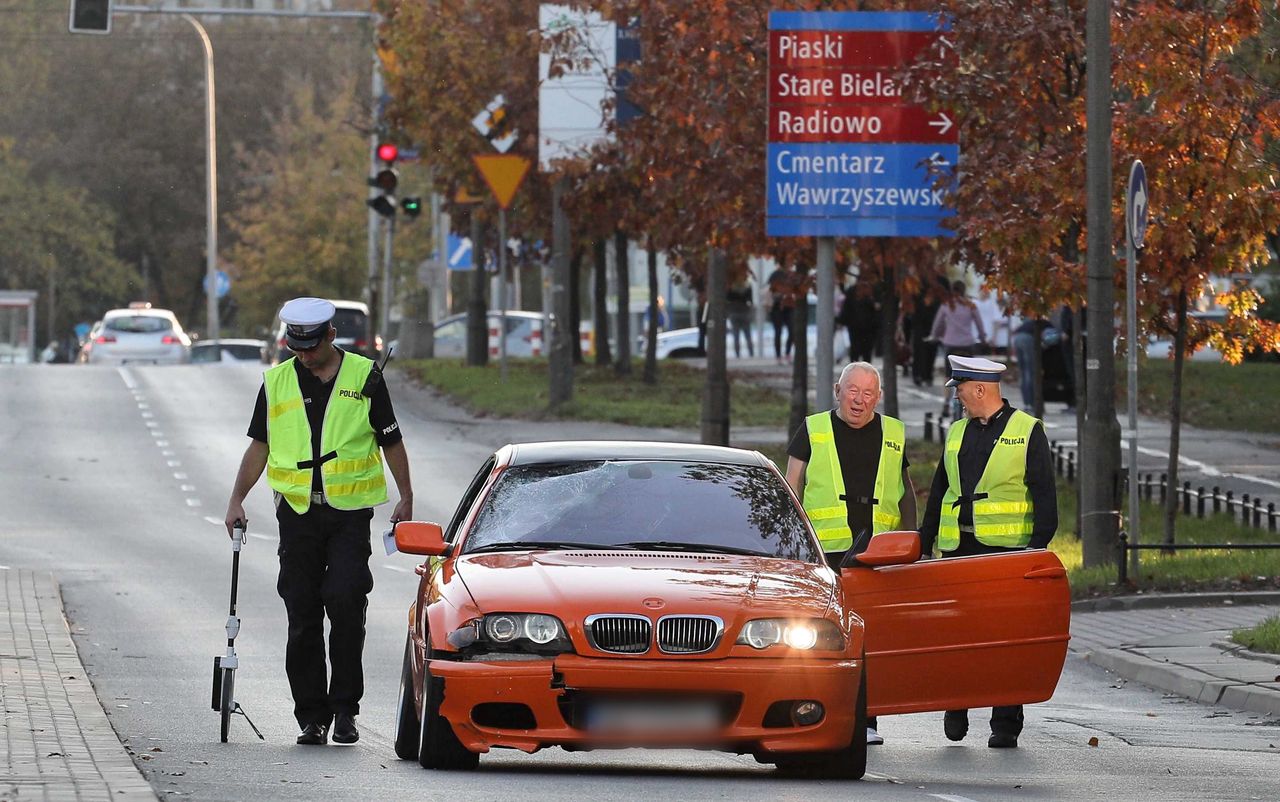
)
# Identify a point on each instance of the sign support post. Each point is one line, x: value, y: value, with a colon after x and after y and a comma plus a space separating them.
x: 824, y: 358
x: 1135, y: 216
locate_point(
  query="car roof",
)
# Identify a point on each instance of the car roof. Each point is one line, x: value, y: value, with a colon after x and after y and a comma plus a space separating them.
x: 592, y: 450
x: 149, y: 312
x: 226, y: 341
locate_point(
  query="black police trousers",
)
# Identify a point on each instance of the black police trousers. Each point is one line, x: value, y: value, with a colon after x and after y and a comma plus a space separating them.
x: 324, y: 570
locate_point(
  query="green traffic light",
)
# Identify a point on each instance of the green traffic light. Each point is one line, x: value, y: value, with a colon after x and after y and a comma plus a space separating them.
x: 411, y: 206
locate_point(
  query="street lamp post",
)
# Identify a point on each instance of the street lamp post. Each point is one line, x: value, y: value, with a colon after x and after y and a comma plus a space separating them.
x: 211, y: 186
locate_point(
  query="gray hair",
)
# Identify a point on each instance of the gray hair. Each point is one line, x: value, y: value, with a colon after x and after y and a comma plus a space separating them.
x: 867, y: 366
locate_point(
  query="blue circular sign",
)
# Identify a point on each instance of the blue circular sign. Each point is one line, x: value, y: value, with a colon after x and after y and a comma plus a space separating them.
x: 222, y: 284
x: 1136, y: 205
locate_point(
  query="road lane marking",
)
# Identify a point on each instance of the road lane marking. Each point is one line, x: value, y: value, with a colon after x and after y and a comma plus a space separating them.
x: 396, y: 568
x: 174, y: 463
x: 214, y: 521
x: 128, y: 380
x: 168, y: 452
x: 260, y: 537
x: 179, y: 476
x: 161, y: 443
x: 191, y: 489
x: 952, y: 798
x: 1195, y: 464
x: 193, y: 502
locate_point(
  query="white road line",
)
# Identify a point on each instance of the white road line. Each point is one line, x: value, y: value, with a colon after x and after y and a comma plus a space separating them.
x: 167, y: 452
x: 174, y: 463
x: 193, y: 502
x: 258, y: 536
x: 1195, y: 464
x: 952, y: 798
x: 151, y: 424
x: 143, y: 405
x: 214, y: 521
x: 396, y: 568
x: 147, y: 415
x: 191, y: 489
x: 179, y: 476
x: 128, y: 380
x: 161, y: 443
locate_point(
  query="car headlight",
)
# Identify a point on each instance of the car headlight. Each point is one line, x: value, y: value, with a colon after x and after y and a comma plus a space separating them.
x: 525, y: 632
x: 801, y: 634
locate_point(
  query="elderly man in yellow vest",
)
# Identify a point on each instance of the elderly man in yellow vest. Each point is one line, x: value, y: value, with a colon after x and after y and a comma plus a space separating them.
x: 994, y: 491
x: 322, y: 425
x: 848, y: 466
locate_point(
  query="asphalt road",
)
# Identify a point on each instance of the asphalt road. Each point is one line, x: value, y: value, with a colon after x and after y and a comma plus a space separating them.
x: 116, y: 480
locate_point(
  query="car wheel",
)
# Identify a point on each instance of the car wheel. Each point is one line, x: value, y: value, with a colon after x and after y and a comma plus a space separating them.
x: 439, y: 747
x: 408, y: 727
x: 686, y: 353
x: 849, y: 763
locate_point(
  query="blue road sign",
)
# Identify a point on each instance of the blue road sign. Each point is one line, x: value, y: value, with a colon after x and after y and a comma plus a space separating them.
x: 222, y: 284
x: 459, y: 252
x: 1136, y: 205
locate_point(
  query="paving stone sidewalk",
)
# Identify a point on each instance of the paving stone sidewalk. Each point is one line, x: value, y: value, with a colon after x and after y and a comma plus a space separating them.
x: 1185, y: 649
x: 58, y: 742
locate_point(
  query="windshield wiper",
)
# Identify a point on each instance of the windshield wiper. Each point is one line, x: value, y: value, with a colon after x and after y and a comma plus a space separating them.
x: 673, y: 545
x: 536, y: 545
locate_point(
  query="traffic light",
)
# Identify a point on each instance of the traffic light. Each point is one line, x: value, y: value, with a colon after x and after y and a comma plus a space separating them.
x: 90, y: 16
x: 386, y: 180
x: 412, y: 206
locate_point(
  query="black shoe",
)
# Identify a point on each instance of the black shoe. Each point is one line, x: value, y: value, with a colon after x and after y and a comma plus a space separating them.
x: 955, y: 723
x: 344, y: 729
x: 314, y: 735
x: 1000, y: 740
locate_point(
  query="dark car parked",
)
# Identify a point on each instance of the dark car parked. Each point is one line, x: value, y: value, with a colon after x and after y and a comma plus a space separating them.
x: 355, y: 333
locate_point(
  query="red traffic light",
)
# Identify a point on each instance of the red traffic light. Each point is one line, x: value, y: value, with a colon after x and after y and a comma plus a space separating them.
x: 388, y: 152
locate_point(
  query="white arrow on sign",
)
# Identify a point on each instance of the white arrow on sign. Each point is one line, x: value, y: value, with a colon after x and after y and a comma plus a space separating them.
x: 1139, y: 206
x: 943, y: 123
x: 459, y: 254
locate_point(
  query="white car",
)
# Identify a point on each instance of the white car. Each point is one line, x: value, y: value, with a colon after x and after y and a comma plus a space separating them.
x: 140, y: 334
x: 683, y: 343
x: 451, y: 334
x: 207, y: 351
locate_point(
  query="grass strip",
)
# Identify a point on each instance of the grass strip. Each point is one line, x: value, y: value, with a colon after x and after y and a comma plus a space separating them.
x: 599, y: 394
x: 1265, y: 637
x: 1251, y: 388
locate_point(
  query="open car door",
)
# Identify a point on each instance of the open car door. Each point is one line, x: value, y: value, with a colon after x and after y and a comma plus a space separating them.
x: 960, y: 632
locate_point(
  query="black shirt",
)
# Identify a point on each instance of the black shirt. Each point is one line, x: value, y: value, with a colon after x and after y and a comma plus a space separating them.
x: 975, y: 449
x: 315, y: 398
x: 859, y: 453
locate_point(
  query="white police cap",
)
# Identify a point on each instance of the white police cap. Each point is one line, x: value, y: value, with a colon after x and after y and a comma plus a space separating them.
x: 306, y: 321
x: 973, y: 368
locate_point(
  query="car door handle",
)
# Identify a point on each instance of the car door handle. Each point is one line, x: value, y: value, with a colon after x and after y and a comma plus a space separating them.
x: 1052, y: 572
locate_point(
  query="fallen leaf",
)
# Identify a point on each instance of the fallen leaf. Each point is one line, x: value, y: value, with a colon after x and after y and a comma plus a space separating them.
x: 1093, y: 741
x: 1151, y: 715
x: 55, y: 754
x: 156, y: 749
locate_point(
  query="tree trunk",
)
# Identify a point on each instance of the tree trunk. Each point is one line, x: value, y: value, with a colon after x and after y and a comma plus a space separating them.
x: 1175, y: 420
x: 622, y: 266
x: 888, y: 334
x: 1078, y: 379
x: 715, y: 398
x: 560, y: 363
x: 477, y: 307
x: 603, y: 357
x: 651, y: 336
x: 800, y: 367
x: 575, y: 303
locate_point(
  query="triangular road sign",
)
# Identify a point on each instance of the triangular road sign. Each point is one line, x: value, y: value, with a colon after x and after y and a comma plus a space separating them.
x: 503, y: 174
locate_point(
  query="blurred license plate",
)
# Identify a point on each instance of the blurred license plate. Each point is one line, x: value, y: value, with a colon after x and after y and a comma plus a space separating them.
x: 693, y: 715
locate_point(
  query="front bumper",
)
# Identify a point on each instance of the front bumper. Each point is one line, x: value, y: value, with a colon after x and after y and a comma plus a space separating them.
x: 547, y: 688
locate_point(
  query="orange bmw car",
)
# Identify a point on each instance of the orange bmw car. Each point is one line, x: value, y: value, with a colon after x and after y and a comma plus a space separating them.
x: 595, y: 594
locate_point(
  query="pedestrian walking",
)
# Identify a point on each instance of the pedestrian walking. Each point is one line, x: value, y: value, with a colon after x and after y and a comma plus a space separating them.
x: 740, y: 304
x: 993, y: 492
x: 321, y: 419
x: 860, y: 314
x: 1024, y: 349
x: 848, y: 466
x: 958, y: 327
x: 782, y: 304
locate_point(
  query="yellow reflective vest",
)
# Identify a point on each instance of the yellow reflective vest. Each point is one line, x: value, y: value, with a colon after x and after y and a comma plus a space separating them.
x: 824, y: 491
x: 1002, y: 511
x: 351, y: 462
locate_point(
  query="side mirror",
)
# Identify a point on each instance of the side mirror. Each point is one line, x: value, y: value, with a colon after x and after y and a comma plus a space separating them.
x: 421, y: 537
x: 891, y: 548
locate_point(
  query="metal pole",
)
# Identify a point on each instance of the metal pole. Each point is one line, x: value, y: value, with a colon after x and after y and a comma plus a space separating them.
x: 373, y: 217
x: 211, y: 187
x: 1131, y: 313
x: 384, y: 306
x: 824, y: 360
x: 502, y: 293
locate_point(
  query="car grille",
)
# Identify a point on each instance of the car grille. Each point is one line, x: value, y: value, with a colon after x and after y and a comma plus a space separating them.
x: 688, y: 634
x: 620, y: 634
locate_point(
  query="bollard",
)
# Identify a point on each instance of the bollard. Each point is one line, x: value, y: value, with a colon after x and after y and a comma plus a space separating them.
x: 1071, y: 467
x: 1057, y: 460
x: 1122, y: 558
x: 1271, y: 517
x: 1164, y: 488
x: 942, y: 431
x: 1186, y: 498
x: 928, y: 427
x: 1147, y: 485
x: 1217, y: 500
x: 1231, y: 504
x: 1257, y: 513
x: 1200, y: 501
x: 1244, y: 509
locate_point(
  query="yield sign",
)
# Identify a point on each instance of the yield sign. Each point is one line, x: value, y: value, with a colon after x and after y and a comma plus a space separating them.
x: 503, y: 174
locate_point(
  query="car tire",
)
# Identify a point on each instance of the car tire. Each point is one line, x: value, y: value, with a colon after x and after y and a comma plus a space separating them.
x: 686, y: 353
x: 849, y: 763
x: 438, y: 746
x: 408, y: 727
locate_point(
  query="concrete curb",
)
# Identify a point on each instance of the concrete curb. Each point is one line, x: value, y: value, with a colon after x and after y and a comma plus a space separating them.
x: 1236, y: 650
x: 1160, y: 600
x: 1184, y: 681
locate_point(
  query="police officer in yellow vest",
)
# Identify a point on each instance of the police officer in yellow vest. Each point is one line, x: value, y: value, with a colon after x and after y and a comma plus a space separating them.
x: 848, y: 466
x: 322, y: 425
x: 993, y: 492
